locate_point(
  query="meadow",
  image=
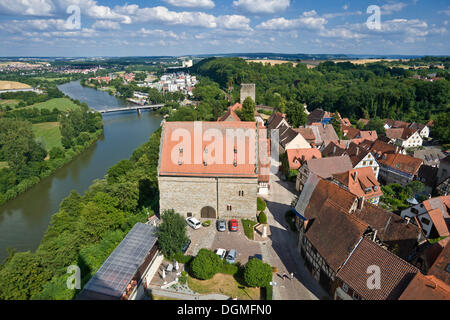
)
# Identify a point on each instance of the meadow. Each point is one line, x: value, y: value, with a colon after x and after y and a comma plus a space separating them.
x: 48, y: 133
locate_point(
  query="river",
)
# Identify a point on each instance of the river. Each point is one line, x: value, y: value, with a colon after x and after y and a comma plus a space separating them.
x: 24, y: 220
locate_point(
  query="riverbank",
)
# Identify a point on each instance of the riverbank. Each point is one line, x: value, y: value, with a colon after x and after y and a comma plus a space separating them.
x: 25, y: 219
x: 53, y: 165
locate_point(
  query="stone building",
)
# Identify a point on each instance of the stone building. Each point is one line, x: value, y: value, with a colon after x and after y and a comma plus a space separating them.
x: 212, y: 169
x: 248, y: 90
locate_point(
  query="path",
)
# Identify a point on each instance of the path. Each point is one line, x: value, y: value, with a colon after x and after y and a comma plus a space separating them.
x: 185, y: 296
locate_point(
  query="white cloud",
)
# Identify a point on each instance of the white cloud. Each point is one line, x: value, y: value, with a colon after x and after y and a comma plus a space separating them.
x: 106, y: 25
x: 234, y: 22
x: 159, y: 33
x: 27, y: 7
x: 309, y: 20
x: 208, y: 4
x: 262, y: 6
x: 446, y: 11
x: 392, y: 7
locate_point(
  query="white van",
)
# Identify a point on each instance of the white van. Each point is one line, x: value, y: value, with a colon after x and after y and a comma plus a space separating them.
x: 194, y: 223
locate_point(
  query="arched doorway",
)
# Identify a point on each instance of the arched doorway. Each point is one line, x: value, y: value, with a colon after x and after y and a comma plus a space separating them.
x: 208, y: 212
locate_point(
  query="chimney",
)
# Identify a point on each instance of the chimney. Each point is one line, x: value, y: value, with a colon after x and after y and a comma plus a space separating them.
x: 360, y: 203
x: 357, y: 150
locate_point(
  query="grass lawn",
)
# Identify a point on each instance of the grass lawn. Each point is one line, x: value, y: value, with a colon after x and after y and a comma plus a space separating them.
x: 224, y: 284
x: 62, y: 104
x: 156, y: 297
x: 48, y: 133
x: 248, y: 228
x: 3, y: 164
x: 9, y: 101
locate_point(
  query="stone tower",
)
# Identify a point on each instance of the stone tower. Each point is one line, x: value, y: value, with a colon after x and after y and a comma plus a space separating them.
x: 248, y: 90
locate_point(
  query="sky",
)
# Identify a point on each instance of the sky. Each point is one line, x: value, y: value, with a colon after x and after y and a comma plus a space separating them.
x: 72, y: 28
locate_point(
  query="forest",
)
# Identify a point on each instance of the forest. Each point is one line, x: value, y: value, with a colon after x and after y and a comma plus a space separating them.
x: 356, y: 91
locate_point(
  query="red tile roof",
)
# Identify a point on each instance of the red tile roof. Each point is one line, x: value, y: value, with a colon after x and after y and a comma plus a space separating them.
x: 395, y: 273
x: 396, y: 123
x: 438, y: 210
x: 359, y: 180
x: 297, y: 157
x: 184, y: 149
x: 406, y: 164
x: 426, y: 288
x: 228, y: 114
x: 441, y: 267
x: 326, y: 167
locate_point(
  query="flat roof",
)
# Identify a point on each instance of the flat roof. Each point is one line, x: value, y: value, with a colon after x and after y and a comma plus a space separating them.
x: 119, y: 269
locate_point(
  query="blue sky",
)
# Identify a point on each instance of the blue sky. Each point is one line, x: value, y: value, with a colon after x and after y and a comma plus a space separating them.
x: 182, y: 27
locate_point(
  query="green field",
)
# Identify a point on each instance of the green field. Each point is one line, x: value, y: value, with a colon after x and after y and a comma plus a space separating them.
x: 62, y: 104
x: 48, y: 133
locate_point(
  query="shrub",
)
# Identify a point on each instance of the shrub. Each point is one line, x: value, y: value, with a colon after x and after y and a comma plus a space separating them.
x: 261, y: 204
x: 206, y: 264
x: 248, y: 228
x: 268, y: 292
x: 206, y: 223
x: 257, y: 273
x: 181, y: 258
x: 262, y: 218
x: 229, y: 268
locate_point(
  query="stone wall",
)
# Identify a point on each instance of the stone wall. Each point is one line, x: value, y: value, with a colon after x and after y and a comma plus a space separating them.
x: 248, y: 90
x: 191, y: 194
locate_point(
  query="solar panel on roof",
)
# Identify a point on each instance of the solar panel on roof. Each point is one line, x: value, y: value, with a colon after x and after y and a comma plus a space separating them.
x: 118, y: 270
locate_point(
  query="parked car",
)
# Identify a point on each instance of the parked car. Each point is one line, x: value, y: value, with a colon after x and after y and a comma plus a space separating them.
x: 194, y: 223
x: 231, y: 256
x: 186, y: 246
x: 221, y: 253
x: 234, y: 225
x: 221, y: 225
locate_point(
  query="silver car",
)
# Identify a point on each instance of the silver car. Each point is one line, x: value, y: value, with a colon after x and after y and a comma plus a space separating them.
x: 221, y: 225
x: 231, y: 256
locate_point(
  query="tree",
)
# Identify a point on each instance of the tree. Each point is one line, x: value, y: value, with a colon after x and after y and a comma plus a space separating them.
x: 257, y: 273
x: 248, y: 110
x: 206, y: 264
x: 376, y: 124
x: 262, y: 217
x: 337, y: 126
x: 57, y: 153
x: 295, y: 113
x: 441, y: 129
x: 172, y: 235
x: 261, y: 204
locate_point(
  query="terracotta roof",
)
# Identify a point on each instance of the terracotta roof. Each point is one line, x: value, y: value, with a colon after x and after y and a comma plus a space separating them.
x: 326, y: 167
x: 346, y: 122
x: 359, y: 180
x: 307, y: 133
x: 400, y: 162
x: 236, y: 106
x: 334, y: 233
x: 396, y: 123
x: 184, y: 149
x: 275, y: 120
x: 297, y: 157
x: 326, y: 132
x: 400, y: 133
x: 369, y: 135
x: 378, y: 147
x: 350, y: 132
x: 438, y: 210
x: 334, y: 149
x: 426, y: 288
x: 441, y: 267
x: 264, y: 161
x: 356, y: 153
x: 395, y: 273
x: 230, y: 115
x: 392, y: 230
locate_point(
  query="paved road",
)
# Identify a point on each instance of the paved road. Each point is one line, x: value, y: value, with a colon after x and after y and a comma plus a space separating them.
x: 281, y: 250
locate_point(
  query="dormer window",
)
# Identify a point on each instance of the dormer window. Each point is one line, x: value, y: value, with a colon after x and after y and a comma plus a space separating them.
x: 180, y: 162
x: 206, y: 150
x: 181, y: 149
x: 205, y: 163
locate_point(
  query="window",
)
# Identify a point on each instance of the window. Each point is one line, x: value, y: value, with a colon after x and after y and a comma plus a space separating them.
x: 364, y: 163
x: 414, y: 210
x: 229, y: 208
x: 425, y: 221
x: 241, y: 193
x: 371, y: 162
x: 355, y: 296
x: 344, y: 287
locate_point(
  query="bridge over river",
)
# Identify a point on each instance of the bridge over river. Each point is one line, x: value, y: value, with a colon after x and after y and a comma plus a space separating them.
x: 137, y: 108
